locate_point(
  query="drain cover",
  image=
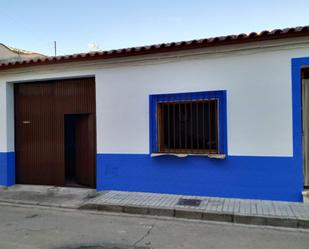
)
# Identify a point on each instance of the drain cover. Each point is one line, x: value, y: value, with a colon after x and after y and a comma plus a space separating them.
x: 189, y: 202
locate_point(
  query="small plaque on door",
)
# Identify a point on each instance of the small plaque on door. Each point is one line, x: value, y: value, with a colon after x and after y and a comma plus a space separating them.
x: 26, y: 122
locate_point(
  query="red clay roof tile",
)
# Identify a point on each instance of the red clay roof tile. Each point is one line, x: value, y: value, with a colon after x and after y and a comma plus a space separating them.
x: 164, y: 47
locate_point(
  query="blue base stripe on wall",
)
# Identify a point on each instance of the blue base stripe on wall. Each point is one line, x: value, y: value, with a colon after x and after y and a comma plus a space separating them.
x: 269, y: 178
x: 7, y: 168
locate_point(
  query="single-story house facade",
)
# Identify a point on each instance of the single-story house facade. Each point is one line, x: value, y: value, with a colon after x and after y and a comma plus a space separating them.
x: 224, y: 117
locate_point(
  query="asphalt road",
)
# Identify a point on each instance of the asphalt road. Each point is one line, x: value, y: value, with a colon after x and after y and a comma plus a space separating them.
x: 50, y: 228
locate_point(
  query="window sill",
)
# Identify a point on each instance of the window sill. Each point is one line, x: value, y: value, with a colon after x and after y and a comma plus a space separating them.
x: 215, y: 156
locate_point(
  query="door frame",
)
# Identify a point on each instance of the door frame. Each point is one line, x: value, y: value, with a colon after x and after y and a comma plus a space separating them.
x: 297, y: 69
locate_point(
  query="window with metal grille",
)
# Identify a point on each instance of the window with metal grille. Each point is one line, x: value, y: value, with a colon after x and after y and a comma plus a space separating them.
x: 188, y: 123
x: 188, y: 127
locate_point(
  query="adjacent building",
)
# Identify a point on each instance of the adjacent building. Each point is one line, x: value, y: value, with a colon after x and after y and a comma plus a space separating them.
x: 8, y: 53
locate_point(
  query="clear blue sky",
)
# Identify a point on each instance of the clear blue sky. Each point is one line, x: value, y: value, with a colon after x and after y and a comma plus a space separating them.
x: 35, y: 24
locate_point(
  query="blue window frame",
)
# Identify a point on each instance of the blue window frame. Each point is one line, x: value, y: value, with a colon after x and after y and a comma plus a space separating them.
x: 219, y: 95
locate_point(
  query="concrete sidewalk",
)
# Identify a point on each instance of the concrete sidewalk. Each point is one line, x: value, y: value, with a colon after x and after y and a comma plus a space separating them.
x: 49, y: 196
x: 256, y: 212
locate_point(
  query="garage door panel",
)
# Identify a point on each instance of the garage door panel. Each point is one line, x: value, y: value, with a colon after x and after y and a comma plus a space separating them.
x: 39, y: 127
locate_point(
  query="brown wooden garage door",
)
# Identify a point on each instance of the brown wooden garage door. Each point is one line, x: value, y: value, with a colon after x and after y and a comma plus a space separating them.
x: 55, y: 139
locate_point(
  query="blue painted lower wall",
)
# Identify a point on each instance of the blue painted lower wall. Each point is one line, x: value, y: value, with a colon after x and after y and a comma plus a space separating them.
x: 270, y: 178
x: 7, y: 168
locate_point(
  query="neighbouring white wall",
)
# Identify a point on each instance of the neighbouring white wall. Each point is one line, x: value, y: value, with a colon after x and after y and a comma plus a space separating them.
x: 258, y: 84
x: 3, y: 123
x: 5, y: 53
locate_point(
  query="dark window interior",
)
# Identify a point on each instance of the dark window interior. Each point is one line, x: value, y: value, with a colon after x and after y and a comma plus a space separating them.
x: 305, y: 74
x: 188, y: 127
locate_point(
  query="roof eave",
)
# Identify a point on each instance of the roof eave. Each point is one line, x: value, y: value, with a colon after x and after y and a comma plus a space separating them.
x: 164, y: 48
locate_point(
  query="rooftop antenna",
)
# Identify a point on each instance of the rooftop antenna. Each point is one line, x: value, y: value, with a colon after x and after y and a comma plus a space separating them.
x: 55, y: 47
x: 93, y: 46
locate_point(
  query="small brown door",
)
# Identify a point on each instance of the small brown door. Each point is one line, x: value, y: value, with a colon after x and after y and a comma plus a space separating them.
x: 79, y: 147
x: 40, y: 110
x: 84, y: 146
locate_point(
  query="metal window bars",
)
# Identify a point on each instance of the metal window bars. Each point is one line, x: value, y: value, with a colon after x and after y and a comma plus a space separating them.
x: 188, y: 127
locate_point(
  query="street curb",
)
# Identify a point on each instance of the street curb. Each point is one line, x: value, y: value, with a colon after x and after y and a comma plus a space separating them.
x: 303, y: 224
x: 35, y: 203
x: 131, y: 209
x: 224, y: 217
x: 195, y: 214
x: 167, y: 212
x: 246, y: 219
x: 188, y: 213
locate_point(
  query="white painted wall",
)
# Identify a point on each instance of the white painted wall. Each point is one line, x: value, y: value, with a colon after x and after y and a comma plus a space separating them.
x: 3, y: 124
x: 258, y: 84
x: 259, y: 101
